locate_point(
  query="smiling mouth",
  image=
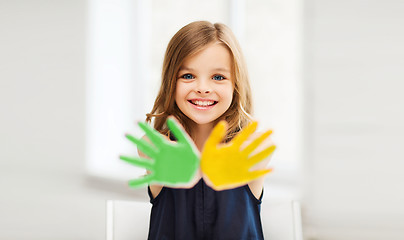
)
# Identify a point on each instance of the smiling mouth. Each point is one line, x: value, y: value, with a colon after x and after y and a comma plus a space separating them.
x: 202, y: 103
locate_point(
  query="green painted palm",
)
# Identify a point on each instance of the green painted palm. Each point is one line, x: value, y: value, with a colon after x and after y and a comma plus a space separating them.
x: 170, y: 163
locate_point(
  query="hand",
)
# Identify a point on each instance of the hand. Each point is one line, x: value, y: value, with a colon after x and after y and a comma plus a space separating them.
x: 171, y: 163
x: 227, y: 165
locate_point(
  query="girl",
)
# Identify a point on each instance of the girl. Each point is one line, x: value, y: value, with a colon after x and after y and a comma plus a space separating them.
x: 204, y: 80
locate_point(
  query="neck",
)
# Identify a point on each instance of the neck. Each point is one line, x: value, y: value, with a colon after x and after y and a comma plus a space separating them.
x: 200, y: 134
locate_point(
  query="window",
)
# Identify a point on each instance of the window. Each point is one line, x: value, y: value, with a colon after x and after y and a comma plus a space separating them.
x: 127, y: 41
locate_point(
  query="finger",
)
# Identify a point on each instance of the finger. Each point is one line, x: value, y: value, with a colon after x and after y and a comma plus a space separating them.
x: 143, y: 146
x: 261, y: 155
x: 140, y: 162
x: 257, y: 174
x: 244, y: 134
x: 256, y: 142
x: 155, y: 137
x: 177, y: 130
x: 227, y: 186
x: 139, y: 182
x: 216, y: 135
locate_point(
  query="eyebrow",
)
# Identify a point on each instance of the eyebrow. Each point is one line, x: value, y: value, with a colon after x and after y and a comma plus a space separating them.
x: 216, y: 69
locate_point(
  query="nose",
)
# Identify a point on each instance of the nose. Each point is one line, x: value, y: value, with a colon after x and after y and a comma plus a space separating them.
x: 203, y: 91
x: 203, y: 87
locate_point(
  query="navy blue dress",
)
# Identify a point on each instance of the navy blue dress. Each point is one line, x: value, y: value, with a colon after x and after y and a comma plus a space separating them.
x: 203, y: 213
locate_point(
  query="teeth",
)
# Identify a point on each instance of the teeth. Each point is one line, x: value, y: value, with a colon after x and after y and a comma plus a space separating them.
x: 203, y: 103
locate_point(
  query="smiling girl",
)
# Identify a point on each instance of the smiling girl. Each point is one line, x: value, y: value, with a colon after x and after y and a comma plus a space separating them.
x: 204, y: 81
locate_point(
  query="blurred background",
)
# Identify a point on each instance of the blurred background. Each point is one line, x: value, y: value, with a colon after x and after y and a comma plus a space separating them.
x: 327, y: 77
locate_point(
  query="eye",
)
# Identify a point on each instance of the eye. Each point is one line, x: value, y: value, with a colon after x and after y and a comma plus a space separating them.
x: 218, y: 77
x: 187, y: 76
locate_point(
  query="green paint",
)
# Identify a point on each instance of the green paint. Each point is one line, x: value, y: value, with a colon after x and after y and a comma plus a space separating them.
x: 170, y: 163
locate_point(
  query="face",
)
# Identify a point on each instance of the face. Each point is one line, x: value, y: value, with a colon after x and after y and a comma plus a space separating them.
x: 204, y: 88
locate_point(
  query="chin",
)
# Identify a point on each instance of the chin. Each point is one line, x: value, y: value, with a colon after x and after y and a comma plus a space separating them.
x: 203, y: 120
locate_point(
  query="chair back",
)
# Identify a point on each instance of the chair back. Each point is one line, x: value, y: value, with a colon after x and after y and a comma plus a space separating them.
x: 129, y: 220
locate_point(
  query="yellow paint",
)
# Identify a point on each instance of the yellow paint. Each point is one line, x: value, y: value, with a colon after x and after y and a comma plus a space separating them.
x: 226, y: 165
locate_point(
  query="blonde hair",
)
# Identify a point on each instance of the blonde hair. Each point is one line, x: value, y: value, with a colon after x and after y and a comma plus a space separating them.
x: 189, y: 40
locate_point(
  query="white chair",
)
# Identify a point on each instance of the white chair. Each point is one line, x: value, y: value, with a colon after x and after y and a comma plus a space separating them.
x: 282, y: 220
x: 129, y: 220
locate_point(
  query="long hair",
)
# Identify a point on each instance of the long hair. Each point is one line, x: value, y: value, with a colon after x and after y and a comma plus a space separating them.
x: 188, y: 41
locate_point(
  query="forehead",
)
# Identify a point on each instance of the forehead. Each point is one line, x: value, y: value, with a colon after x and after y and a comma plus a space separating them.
x: 214, y: 56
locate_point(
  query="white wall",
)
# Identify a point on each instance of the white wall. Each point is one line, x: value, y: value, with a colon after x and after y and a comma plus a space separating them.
x: 44, y: 191
x: 354, y: 72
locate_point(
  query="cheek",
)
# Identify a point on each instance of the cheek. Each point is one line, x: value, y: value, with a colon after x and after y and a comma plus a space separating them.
x: 181, y: 92
x: 227, y: 93
x: 178, y: 91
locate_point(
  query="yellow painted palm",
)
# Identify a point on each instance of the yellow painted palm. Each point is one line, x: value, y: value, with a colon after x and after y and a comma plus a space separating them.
x: 226, y: 165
